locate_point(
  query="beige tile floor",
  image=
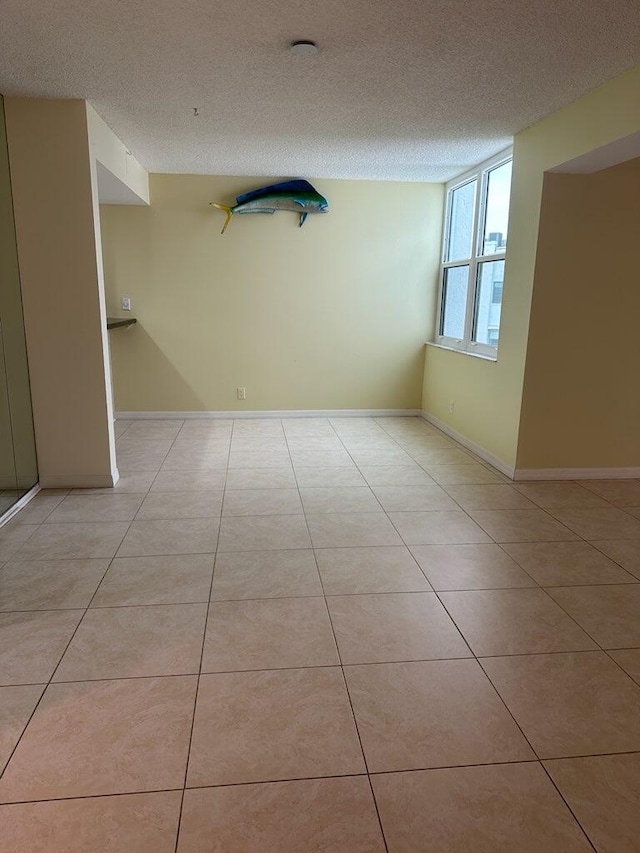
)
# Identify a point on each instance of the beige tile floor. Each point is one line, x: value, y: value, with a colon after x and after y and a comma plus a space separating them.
x: 310, y: 635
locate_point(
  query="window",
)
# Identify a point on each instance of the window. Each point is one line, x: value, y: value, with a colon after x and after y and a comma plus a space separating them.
x: 475, y: 243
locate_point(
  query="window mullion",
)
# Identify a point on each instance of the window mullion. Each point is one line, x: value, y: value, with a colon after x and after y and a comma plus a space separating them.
x: 473, y: 263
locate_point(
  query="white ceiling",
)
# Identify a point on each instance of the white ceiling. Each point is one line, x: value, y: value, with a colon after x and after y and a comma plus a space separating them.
x: 413, y: 90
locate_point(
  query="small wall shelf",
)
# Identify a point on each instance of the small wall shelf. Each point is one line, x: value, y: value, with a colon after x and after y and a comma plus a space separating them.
x: 120, y: 322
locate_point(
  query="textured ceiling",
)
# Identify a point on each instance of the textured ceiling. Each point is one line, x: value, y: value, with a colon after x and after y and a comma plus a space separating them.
x: 400, y: 89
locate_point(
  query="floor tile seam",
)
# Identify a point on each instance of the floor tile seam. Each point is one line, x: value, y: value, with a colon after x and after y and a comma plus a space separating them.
x: 55, y: 669
x: 592, y: 755
x: 455, y: 624
x: 332, y: 665
x: 508, y: 710
x: 568, y: 806
x: 473, y: 458
x: 179, y: 518
x: 359, y: 469
x: 554, y: 586
x: 52, y: 510
x: 598, y: 585
x: 100, y: 607
x: 335, y: 642
x: 46, y: 524
x: 422, y: 512
x: 146, y: 677
x: 273, y: 598
x: 298, y: 548
x: 593, y: 639
x: 520, y: 566
x: 533, y: 585
x: 636, y: 681
x: 126, y: 606
x: 149, y: 603
x: 475, y: 657
x: 594, y: 544
x: 377, y: 808
x: 608, y: 652
x: 547, y: 513
x: 36, y: 527
x: 202, y: 647
x: 262, y: 514
x: 342, y: 673
x: 434, y: 768
x: 128, y: 427
x: 373, y: 773
x: 400, y: 534
x: 64, y: 651
x: 183, y: 790
x: 586, y: 484
x: 351, y: 707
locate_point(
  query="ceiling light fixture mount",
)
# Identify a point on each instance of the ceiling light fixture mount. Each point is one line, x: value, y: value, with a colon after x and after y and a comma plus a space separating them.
x: 303, y: 47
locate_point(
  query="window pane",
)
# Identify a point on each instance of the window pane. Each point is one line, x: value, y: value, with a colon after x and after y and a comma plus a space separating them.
x: 461, y: 222
x: 486, y: 325
x: 497, y: 213
x: 454, y: 301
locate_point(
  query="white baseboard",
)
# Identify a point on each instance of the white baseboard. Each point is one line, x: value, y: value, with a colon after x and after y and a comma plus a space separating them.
x: 79, y: 481
x: 276, y: 413
x: 576, y: 473
x: 496, y: 463
x: 18, y: 505
x: 533, y: 473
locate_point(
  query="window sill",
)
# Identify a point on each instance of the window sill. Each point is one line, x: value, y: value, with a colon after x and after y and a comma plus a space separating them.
x: 481, y: 355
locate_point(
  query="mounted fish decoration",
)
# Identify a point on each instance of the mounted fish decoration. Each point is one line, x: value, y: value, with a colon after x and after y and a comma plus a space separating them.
x: 297, y: 195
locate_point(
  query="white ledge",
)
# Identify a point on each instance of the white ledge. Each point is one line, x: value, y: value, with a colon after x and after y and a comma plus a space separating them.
x: 481, y: 355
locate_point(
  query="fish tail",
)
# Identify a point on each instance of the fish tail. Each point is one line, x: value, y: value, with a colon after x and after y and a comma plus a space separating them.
x: 227, y: 210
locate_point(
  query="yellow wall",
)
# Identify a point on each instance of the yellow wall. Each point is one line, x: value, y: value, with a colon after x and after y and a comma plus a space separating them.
x: 18, y: 467
x: 330, y: 316
x: 488, y: 394
x: 55, y: 215
x: 581, y: 405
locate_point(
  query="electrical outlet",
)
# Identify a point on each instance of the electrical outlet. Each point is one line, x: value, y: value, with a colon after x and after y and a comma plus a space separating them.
x: 242, y: 393
x: 126, y: 303
x: 452, y: 406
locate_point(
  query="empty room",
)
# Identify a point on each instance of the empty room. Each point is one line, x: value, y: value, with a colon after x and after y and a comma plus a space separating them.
x: 319, y: 427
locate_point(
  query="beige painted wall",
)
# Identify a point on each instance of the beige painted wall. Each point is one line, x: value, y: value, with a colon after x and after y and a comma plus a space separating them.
x: 581, y: 404
x: 18, y: 467
x: 51, y: 173
x: 488, y: 394
x: 115, y: 156
x: 330, y: 316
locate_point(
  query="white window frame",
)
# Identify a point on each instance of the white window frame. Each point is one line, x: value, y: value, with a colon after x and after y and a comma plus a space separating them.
x: 480, y: 174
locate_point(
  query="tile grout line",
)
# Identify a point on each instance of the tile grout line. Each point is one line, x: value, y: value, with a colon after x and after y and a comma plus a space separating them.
x: 315, y: 778
x: 86, y: 609
x: 580, y: 538
x: 540, y: 760
x: 326, y: 604
x: 200, y: 673
x: 500, y: 698
x: 575, y: 621
x: 344, y: 682
x: 194, y: 672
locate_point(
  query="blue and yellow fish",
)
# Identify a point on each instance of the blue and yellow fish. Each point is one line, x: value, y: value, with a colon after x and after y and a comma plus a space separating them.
x: 297, y: 195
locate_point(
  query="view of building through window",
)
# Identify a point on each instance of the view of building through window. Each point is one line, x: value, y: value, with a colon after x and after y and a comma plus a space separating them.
x: 473, y: 257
